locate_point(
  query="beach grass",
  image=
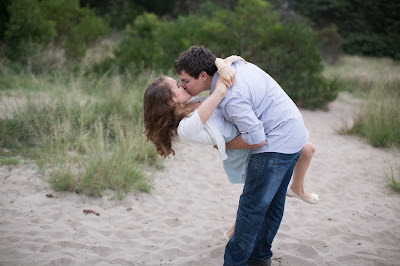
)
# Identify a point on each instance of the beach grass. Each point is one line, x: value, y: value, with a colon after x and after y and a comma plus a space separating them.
x: 393, y: 178
x: 9, y: 161
x: 361, y: 74
x: 377, y: 82
x: 103, y: 159
x: 84, y: 131
x: 378, y: 119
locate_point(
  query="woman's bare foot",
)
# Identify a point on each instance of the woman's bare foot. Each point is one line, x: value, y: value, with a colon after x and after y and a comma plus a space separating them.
x: 228, y: 234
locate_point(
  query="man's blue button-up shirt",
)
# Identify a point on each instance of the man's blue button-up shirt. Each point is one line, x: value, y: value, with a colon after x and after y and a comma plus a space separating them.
x: 261, y: 110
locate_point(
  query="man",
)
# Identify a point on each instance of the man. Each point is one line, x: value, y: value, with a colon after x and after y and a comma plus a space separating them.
x: 271, y: 124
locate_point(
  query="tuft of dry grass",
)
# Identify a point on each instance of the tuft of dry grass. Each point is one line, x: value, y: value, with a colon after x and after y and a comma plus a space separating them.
x: 362, y: 74
x: 393, y: 179
x: 377, y: 82
x: 86, y: 130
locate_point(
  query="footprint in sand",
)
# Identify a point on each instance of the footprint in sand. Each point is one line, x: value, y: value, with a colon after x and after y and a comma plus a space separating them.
x: 174, y: 222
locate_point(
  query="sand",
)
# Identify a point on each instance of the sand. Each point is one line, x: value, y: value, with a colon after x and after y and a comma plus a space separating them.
x: 356, y: 222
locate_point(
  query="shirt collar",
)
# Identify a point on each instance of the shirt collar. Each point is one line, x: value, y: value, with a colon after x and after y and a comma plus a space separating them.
x: 214, y: 82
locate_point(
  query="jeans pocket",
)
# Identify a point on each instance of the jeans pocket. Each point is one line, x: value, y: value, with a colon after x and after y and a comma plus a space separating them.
x: 282, y: 163
x: 256, y: 164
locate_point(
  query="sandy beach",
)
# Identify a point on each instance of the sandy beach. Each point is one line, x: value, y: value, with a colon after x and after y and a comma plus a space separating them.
x: 356, y: 222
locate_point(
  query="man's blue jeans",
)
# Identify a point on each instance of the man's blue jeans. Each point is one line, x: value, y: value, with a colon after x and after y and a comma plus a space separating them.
x: 261, y: 207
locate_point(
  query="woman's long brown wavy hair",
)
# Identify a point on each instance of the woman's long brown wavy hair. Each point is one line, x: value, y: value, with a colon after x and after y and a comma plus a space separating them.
x: 160, y: 121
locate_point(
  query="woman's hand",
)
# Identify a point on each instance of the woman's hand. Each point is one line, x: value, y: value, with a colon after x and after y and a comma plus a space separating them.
x: 227, y: 75
x: 232, y: 59
x: 225, y: 71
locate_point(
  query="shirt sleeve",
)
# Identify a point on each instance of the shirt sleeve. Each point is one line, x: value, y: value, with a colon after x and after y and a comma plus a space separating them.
x: 190, y: 128
x: 240, y: 110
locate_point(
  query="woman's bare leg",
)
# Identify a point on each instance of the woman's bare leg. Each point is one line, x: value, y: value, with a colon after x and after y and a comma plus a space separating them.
x: 299, y: 172
x: 230, y: 231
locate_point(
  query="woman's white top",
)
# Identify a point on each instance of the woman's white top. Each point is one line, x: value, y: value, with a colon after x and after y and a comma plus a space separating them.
x: 216, y: 131
x: 191, y: 129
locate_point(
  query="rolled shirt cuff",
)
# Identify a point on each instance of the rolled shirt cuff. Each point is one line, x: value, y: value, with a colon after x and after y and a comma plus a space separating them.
x: 254, y: 138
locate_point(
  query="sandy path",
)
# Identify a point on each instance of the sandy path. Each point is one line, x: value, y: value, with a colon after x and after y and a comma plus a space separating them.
x: 357, y: 221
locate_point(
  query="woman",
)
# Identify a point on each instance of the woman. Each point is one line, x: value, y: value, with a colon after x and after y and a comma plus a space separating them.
x: 170, y: 113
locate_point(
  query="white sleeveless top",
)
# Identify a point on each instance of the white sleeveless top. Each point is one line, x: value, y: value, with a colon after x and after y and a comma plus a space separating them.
x: 191, y: 129
x: 216, y: 131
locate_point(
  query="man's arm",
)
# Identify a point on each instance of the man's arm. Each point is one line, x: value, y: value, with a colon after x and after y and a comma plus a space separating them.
x: 238, y: 144
x: 238, y: 107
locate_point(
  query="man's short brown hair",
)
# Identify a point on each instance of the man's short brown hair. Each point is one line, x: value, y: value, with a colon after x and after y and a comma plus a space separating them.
x: 195, y: 60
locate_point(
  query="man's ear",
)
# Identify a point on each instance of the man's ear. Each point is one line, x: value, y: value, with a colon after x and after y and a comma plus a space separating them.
x: 203, y: 75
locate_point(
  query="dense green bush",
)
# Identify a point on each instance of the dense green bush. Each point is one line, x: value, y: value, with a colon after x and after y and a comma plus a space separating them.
x: 76, y: 27
x: 136, y: 49
x: 35, y: 24
x: 369, y: 27
x: 27, y: 31
x: 288, y: 51
x: 117, y: 13
x: 4, y: 17
x: 330, y: 43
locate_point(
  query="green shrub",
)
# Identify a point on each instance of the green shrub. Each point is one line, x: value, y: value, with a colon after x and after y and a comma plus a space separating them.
x: 121, y: 12
x: 288, y: 51
x: 76, y: 27
x: 137, y: 49
x: 368, y: 27
x: 330, y: 43
x: 34, y: 25
x: 27, y: 31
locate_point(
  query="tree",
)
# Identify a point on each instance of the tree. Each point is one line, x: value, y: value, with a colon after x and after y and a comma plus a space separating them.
x: 27, y: 31
x: 4, y: 17
x: 76, y: 27
x: 368, y: 27
x: 288, y: 51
